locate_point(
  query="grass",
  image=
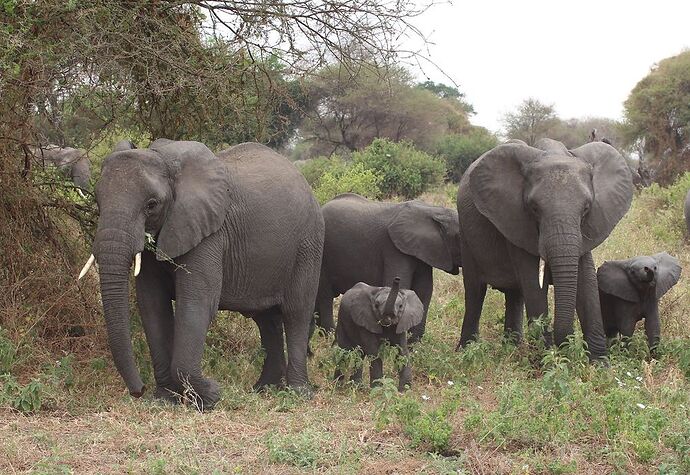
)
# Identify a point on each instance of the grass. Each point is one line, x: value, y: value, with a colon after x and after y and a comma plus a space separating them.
x: 493, y: 408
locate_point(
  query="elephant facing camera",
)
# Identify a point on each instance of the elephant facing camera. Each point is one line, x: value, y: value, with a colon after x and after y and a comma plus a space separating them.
x: 630, y: 290
x: 370, y: 315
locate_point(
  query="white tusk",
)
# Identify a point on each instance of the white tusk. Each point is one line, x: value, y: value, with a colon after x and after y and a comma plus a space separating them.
x: 541, y: 273
x: 87, y: 266
x: 137, y: 264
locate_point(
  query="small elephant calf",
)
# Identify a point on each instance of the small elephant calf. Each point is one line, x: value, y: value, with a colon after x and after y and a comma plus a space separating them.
x: 368, y: 315
x: 629, y: 290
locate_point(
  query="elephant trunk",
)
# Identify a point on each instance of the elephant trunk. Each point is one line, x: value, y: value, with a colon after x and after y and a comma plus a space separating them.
x: 114, y: 252
x: 389, y: 308
x: 563, y: 255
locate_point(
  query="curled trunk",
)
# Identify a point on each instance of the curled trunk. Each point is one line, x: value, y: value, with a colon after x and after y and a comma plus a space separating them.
x: 389, y: 308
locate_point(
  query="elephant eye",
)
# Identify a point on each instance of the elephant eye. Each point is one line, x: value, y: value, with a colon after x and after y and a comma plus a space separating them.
x: 151, y: 204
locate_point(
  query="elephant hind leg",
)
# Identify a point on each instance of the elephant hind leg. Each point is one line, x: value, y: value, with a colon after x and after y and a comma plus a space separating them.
x: 475, y: 292
x: 514, y: 315
x: 271, y: 330
x: 423, y: 286
x: 297, y: 309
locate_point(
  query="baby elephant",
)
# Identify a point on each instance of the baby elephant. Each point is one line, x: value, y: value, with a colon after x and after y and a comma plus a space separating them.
x: 368, y: 315
x: 630, y: 290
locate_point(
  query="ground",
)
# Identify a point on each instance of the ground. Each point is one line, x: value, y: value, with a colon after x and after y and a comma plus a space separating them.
x: 494, y: 408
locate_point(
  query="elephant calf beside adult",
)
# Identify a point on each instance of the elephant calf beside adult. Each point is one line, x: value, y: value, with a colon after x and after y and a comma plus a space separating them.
x: 518, y: 205
x: 374, y: 242
x: 245, y: 233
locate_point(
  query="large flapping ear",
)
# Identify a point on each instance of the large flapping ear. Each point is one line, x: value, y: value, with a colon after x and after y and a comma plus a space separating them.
x: 426, y: 232
x: 201, y: 195
x: 497, y: 184
x: 412, y: 312
x: 613, y: 190
x: 613, y: 280
x: 359, y: 302
x: 667, y: 272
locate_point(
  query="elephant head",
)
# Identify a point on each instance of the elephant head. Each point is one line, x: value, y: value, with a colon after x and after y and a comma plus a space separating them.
x: 430, y: 233
x: 376, y: 308
x: 555, y: 204
x: 175, y: 191
x: 640, y: 277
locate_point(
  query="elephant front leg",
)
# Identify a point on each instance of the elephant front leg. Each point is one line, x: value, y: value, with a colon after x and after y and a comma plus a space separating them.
x: 514, y: 315
x: 324, y: 304
x: 405, y: 373
x: 154, y: 299
x: 375, y: 372
x: 271, y: 330
x: 423, y: 286
x: 589, y: 308
x: 652, y: 326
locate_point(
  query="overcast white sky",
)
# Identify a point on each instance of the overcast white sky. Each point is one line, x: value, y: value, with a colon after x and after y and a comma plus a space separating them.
x: 583, y: 56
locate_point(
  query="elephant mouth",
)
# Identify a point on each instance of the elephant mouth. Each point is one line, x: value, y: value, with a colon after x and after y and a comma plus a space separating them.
x: 386, y: 323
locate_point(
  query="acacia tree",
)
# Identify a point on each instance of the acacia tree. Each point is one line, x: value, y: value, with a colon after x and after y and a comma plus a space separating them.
x: 657, y: 114
x: 530, y: 122
x: 351, y: 105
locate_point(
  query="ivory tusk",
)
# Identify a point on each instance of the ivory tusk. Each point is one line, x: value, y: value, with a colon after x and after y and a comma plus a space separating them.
x: 541, y: 273
x: 87, y: 266
x: 137, y: 264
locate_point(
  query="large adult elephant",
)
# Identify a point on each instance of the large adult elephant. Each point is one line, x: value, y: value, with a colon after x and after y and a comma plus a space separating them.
x: 518, y: 205
x: 241, y: 231
x: 373, y: 242
x: 71, y: 162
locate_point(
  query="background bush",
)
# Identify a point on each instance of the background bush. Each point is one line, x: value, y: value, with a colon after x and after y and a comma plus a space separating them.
x: 354, y: 179
x: 459, y: 151
x: 404, y: 170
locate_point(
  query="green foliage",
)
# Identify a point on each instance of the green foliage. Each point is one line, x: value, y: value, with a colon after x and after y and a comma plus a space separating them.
x: 658, y: 115
x: 667, y: 222
x: 27, y: 398
x: 355, y: 179
x: 530, y: 122
x: 301, y: 449
x: 459, y: 151
x: 315, y: 168
x: 404, y: 170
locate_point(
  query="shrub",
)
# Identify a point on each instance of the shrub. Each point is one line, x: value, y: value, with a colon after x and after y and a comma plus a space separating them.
x: 355, y: 179
x: 404, y: 170
x: 314, y: 169
x: 667, y: 221
x: 459, y: 151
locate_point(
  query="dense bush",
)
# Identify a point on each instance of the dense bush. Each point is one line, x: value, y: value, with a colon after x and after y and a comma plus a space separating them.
x: 315, y: 168
x: 355, y: 179
x: 404, y: 170
x: 668, y: 222
x: 459, y: 151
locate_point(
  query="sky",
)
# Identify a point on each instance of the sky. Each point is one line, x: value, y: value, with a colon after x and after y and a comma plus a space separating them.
x: 583, y: 56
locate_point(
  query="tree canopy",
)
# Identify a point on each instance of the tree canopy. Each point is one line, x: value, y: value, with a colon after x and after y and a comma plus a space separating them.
x: 657, y: 112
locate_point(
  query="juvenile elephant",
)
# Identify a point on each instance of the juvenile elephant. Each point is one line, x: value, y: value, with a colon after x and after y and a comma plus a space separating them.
x: 519, y: 205
x: 629, y: 290
x: 373, y: 242
x: 71, y: 162
x: 241, y: 231
x: 369, y: 315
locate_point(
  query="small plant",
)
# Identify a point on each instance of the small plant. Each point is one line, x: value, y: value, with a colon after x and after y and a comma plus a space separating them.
x: 301, y: 449
x: 28, y: 398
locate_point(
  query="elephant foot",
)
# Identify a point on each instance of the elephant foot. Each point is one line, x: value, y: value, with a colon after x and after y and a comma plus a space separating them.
x: 305, y: 391
x: 203, y: 395
x: 463, y: 343
x: 168, y: 394
x: 404, y: 386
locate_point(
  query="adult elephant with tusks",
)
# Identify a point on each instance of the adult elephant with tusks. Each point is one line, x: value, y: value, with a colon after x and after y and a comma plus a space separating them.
x: 238, y: 231
x: 520, y: 206
x: 373, y: 242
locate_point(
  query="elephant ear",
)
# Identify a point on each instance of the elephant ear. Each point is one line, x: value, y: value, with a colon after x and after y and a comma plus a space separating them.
x: 613, y: 190
x: 496, y: 184
x: 427, y: 233
x: 202, y: 192
x: 613, y: 280
x: 668, y: 273
x: 123, y: 145
x: 412, y: 312
x: 359, y: 302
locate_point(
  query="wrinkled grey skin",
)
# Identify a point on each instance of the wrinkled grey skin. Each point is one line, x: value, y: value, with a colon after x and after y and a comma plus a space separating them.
x: 369, y: 315
x: 629, y: 290
x: 517, y: 203
x: 373, y: 242
x: 686, y: 211
x: 71, y: 162
x: 245, y: 233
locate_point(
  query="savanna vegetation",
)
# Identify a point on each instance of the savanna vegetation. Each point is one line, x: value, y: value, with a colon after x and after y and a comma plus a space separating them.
x: 313, y: 79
